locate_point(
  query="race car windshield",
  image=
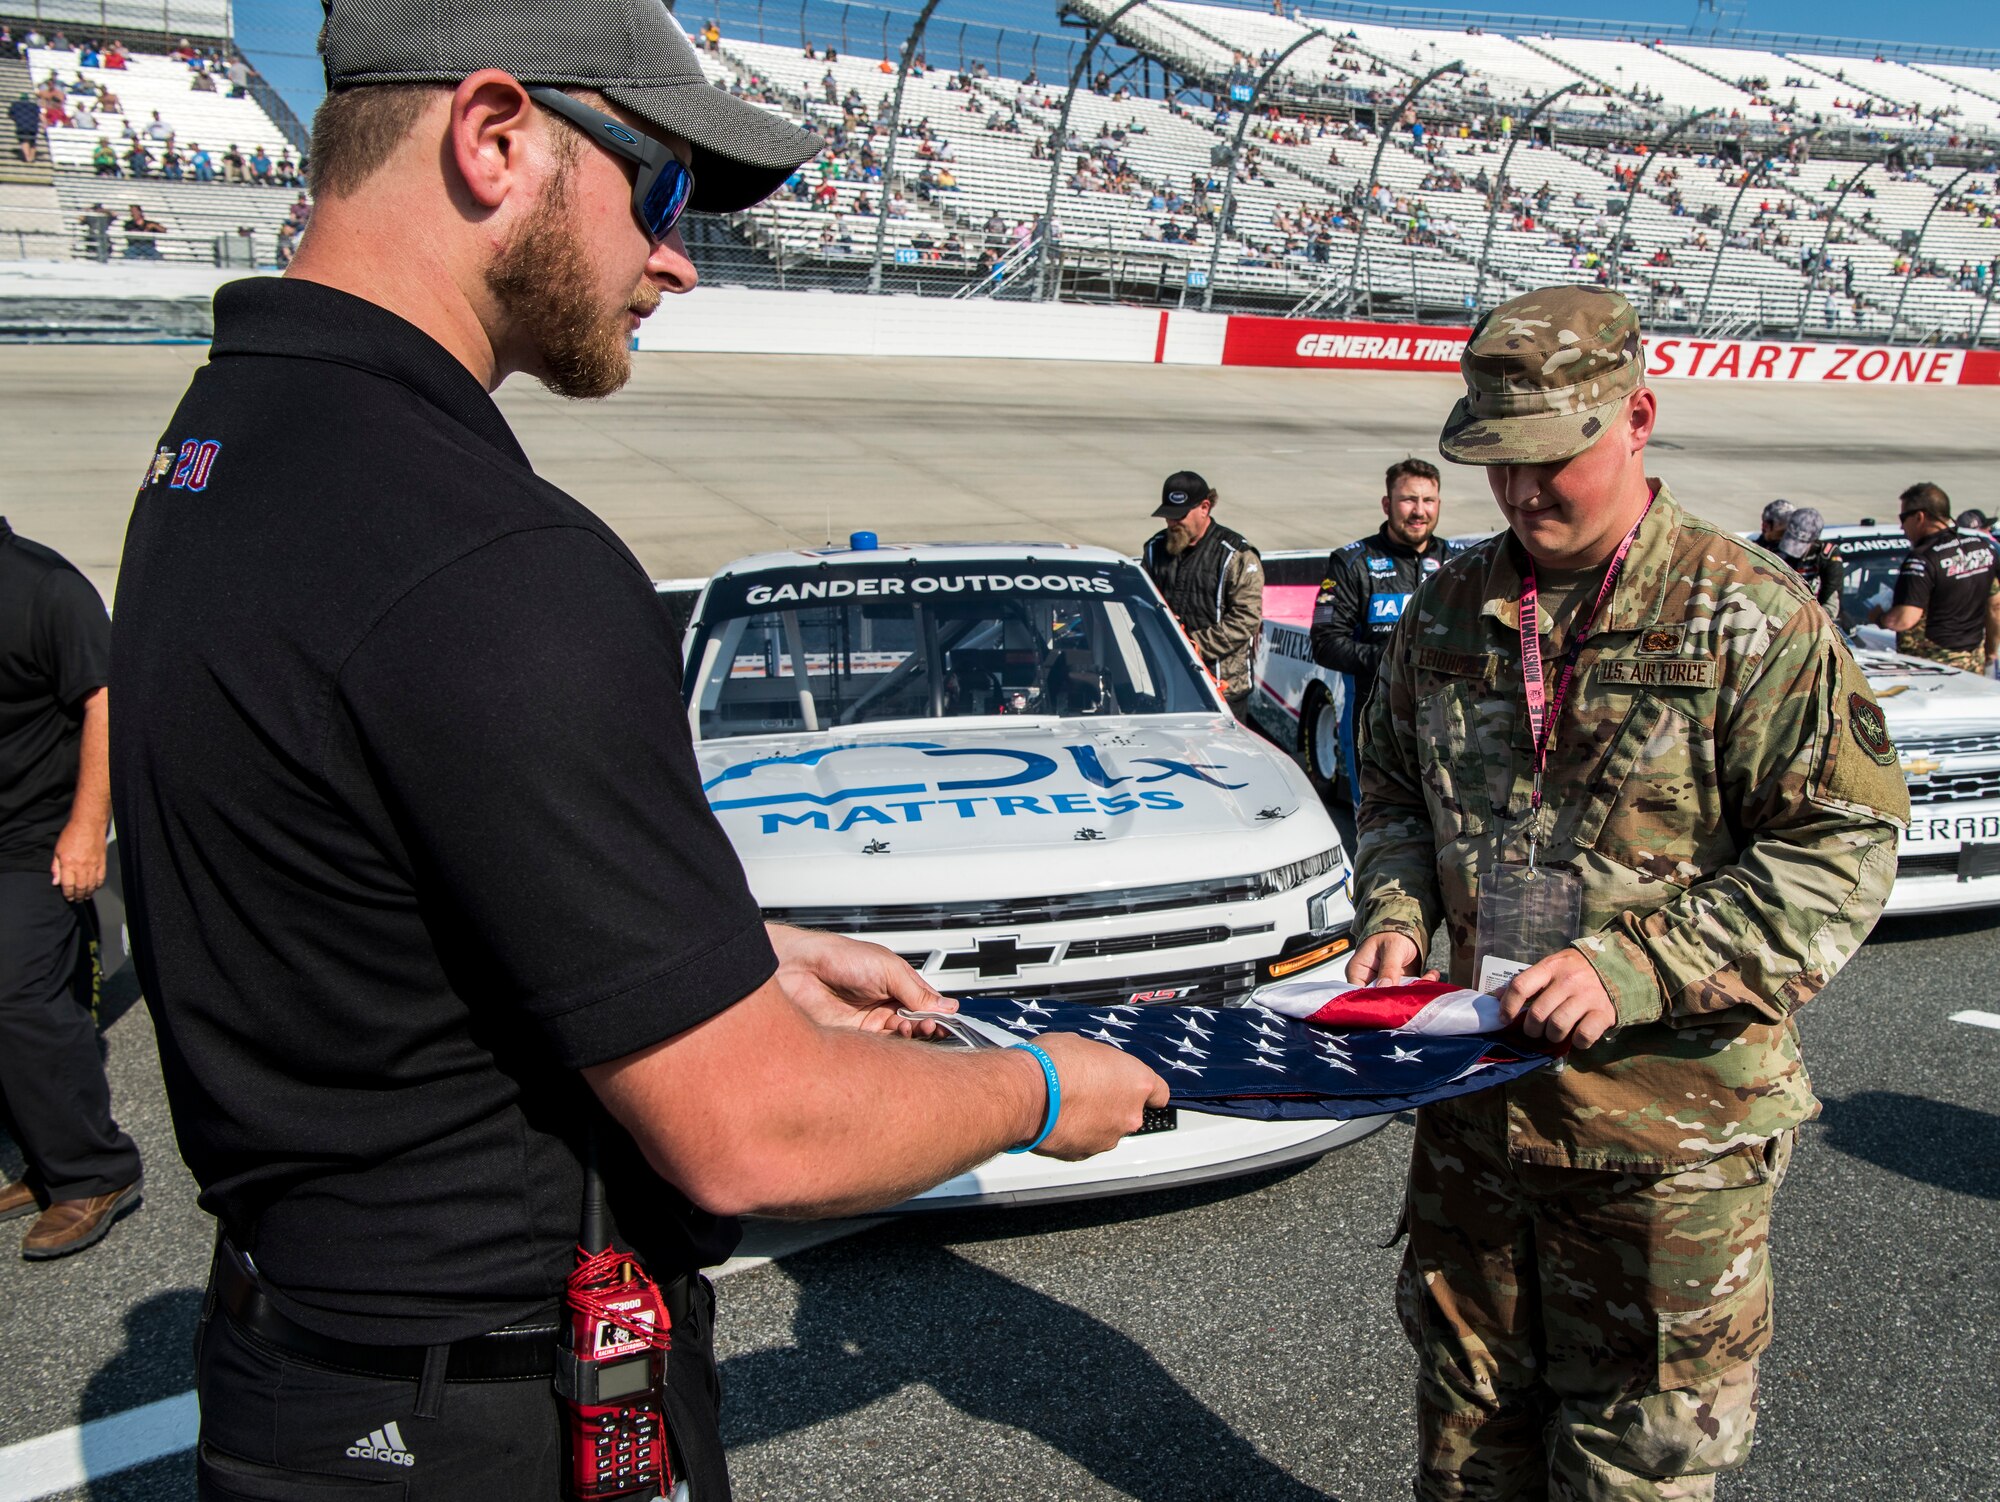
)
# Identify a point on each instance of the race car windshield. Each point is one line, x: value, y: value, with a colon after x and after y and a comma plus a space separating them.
x: 818, y: 648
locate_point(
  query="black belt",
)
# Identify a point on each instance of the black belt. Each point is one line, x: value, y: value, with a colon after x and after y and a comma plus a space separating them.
x: 517, y: 1353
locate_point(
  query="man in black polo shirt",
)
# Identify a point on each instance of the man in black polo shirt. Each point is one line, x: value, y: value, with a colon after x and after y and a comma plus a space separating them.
x: 1947, y: 601
x: 55, y: 800
x: 421, y: 872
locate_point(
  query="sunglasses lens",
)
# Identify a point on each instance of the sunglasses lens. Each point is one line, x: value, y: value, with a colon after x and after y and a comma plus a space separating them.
x: 666, y: 198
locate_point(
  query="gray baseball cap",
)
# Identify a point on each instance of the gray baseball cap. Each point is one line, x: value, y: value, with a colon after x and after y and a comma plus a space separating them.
x: 631, y: 51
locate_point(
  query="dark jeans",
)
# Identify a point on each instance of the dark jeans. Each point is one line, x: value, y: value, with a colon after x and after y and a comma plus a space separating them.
x: 51, y: 1072
x: 277, y: 1428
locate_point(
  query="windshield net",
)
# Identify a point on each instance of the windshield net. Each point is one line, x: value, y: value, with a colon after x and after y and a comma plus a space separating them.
x: 817, y: 648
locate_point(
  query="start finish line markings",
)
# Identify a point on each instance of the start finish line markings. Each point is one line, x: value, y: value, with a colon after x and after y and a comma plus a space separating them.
x: 1978, y: 1019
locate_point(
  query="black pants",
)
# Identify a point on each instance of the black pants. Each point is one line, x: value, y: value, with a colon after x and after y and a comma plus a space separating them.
x: 51, y: 1071
x: 277, y: 1428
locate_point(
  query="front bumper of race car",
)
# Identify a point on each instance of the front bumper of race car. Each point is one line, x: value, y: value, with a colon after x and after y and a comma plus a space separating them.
x: 1198, y: 1149
x: 1949, y: 859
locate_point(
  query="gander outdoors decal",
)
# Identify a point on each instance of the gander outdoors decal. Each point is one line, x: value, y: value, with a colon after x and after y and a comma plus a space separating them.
x: 967, y: 785
x: 925, y: 584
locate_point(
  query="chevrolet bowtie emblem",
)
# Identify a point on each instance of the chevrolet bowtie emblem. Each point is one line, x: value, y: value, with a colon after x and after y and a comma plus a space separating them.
x: 998, y: 958
x: 1920, y: 766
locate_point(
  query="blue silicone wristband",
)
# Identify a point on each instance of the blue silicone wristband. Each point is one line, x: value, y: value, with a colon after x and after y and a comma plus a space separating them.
x: 1055, y: 1099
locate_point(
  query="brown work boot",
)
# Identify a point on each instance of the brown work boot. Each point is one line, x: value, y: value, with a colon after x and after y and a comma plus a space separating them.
x: 71, y: 1225
x: 18, y: 1199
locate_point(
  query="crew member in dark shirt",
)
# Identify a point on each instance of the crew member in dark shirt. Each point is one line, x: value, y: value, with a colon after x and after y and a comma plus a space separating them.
x: 1947, y: 601
x: 425, y: 892
x: 1818, y: 562
x: 55, y: 802
x: 1368, y: 583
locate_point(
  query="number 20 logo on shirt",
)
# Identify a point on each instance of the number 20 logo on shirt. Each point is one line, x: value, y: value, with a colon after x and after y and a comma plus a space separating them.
x: 192, y: 465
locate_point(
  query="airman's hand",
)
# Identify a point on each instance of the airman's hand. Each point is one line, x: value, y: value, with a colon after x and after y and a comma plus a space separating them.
x: 1561, y: 1000
x: 1384, y: 957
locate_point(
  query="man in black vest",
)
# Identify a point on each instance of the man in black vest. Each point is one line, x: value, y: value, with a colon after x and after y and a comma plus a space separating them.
x: 1212, y: 579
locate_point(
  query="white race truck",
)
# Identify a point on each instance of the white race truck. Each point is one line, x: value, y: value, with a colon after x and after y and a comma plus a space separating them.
x: 1945, y: 723
x: 1004, y: 762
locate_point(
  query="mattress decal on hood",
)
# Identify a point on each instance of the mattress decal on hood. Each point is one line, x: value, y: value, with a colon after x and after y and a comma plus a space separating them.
x: 909, y: 801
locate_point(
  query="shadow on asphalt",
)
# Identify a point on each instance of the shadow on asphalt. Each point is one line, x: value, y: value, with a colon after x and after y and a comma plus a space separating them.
x: 889, y: 1309
x: 157, y: 1360
x: 1931, y: 1141
x: 1911, y: 927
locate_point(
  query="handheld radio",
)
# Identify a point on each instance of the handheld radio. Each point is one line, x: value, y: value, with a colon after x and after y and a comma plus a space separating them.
x: 612, y: 1368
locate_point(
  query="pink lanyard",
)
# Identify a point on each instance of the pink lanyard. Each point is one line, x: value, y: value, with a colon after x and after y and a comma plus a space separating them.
x: 1544, y: 709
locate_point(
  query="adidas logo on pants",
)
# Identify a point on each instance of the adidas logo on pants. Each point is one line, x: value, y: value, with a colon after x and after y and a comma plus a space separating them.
x: 385, y: 1443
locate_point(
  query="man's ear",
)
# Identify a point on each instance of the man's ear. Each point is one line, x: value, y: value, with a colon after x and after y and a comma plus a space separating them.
x: 1642, y: 411
x: 491, y: 124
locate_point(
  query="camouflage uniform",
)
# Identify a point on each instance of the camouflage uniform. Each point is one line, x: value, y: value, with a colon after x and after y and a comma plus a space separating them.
x: 1915, y: 643
x: 1586, y: 1281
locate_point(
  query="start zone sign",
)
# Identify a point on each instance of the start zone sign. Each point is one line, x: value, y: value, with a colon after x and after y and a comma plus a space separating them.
x: 1312, y: 344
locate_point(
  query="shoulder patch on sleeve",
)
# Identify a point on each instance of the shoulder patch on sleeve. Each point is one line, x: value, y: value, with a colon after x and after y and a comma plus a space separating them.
x: 1858, y: 766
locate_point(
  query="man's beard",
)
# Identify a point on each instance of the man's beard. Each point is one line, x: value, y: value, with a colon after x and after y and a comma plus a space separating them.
x: 1178, y: 542
x: 544, y: 279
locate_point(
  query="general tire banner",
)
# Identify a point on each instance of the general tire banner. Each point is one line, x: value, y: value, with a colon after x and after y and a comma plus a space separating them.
x: 1312, y: 344
x: 1309, y: 343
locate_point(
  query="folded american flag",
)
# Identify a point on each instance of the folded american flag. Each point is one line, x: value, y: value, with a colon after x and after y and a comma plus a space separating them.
x: 1301, y: 1049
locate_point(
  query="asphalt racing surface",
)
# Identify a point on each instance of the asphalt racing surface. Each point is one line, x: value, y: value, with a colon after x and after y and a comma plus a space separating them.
x: 1236, y: 1341
x: 705, y: 458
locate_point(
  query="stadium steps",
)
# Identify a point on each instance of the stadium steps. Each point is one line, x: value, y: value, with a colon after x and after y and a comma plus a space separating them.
x: 31, y: 223
x: 1846, y: 85
x: 1579, y: 71
x: 16, y: 80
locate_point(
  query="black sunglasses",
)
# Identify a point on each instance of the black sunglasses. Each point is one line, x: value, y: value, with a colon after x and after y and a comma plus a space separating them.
x: 661, y: 191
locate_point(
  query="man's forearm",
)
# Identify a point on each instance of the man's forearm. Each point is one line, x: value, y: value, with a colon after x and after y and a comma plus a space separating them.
x: 90, y: 807
x: 800, y: 1120
x: 1735, y: 940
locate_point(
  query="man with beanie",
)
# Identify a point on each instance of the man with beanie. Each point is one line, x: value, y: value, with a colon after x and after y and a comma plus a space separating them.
x: 1634, y: 772
x: 1818, y: 562
x: 1212, y: 579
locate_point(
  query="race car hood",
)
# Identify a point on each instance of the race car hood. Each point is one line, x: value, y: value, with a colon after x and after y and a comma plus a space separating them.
x: 1922, y: 700
x: 1003, y: 808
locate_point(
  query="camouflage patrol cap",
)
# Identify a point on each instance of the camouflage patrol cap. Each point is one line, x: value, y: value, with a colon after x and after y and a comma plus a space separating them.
x: 1543, y: 375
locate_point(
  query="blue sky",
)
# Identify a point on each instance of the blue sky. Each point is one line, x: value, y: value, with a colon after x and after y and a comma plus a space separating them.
x: 279, y: 34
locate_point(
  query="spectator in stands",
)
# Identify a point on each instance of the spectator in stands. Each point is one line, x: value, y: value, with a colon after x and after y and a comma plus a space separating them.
x: 88, y: 56
x: 114, y: 55
x: 234, y: 168
x: 203, y: 82
x: 27, y: 118
x: 109, y: 103
x: 104, y: 159
x: 301, y: 212
x: 711, y: 38
x: 171, y: 163
x: 288, y: 241
x: 239, y: 78
x: 201, y: 164
x: 138, y: 160
x: 158, y: 129
x: 141, y: 232
x: 260, y: 167
x: 81, y: 117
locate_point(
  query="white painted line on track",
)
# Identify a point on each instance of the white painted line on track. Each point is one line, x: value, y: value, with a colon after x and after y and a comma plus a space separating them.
x: 83, y: 1453
x: 78, y: 1455
x: 1978, y: 1019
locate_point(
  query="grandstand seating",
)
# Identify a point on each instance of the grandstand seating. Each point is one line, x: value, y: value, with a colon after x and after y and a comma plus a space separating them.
x: 1137, y: 169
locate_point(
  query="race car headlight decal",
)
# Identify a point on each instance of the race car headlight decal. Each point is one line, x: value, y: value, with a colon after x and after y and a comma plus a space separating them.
x: 1319, y: 908
x: 1298, y: 873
